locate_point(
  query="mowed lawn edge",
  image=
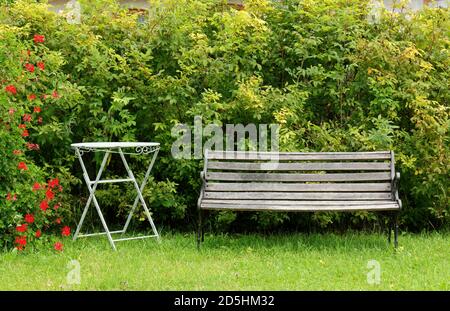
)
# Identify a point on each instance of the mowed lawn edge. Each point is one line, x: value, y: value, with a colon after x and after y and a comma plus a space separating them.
x: 237, y: 262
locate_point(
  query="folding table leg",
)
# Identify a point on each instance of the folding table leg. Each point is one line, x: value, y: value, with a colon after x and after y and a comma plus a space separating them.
x: 144, y: 182
x: 108, y: 234
x: 93, y: 198
x: 141, y: 198
x: 87, y: 179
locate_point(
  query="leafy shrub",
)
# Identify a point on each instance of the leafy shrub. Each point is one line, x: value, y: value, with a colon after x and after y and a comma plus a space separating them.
x: 332, y: 79
x: 31, y: 208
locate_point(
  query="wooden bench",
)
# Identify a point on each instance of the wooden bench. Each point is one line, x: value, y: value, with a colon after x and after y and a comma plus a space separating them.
x: 300, y: 182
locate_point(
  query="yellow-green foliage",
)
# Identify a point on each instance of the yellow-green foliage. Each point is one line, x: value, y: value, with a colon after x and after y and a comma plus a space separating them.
x: 332, y: 79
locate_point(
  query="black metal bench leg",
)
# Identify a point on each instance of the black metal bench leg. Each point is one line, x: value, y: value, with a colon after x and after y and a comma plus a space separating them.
x: 199, y: 229
x: 396, y: 230
x: 389, y: 227
x: 203, y: 227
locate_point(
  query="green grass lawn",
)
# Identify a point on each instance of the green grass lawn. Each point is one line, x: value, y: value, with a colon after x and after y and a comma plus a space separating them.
x: 237, y: 262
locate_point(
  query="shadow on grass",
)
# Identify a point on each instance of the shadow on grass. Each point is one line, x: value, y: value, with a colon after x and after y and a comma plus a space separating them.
x: 238, y: 242
x: 295, y: 242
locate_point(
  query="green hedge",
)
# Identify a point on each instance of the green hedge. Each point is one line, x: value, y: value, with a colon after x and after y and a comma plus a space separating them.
x: 332, y: 79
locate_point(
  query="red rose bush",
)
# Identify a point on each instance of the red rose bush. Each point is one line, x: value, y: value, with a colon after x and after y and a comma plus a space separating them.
x: 32, y: 212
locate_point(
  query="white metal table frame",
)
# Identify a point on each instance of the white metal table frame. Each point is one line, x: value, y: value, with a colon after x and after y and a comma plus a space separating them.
x: 108, y: 148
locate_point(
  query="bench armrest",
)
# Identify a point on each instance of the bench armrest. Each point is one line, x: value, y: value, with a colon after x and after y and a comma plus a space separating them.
x: 395, y: 188
x: 202, y: 176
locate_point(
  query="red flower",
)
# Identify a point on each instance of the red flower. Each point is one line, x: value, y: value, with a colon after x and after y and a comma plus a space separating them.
x: 22, y: 166
x: 49, y: 194
x: 40, y: 120
x: 58, y: 246
x: 28, y: 52
x: 11, y: 89
x: 36, y: 186
x: 58, y: 205
x: 55, y: 94
x: 37, y: 109
x: 58, y: 220
x: 41, y: 65
x: 21, y: 240
x: 26, y: 117
x: 9, y: 197
x: 17, y: 152
x: 44, y: 205
x: 52, y: 183
x: 29, y: 218
x: 29, y: 67
x: 32, y: 146
x: 32, y: 96
x: 22, y: 228
x: 25, y: 133
x: 22, y: 126
x: 11, y: 111
x: 65, y: 231
x: 38, y: 233
x: 38, y: 38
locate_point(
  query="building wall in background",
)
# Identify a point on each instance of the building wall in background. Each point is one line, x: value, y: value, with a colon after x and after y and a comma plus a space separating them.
x: 58, y: 5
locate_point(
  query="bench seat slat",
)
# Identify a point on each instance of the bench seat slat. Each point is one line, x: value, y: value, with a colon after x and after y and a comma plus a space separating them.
x: 384, y: 176
x: 296, y: 202
x: 298, y: 207
x: 241, y: 155
x: 300, y: 195
x: 277, y: 166
x: 298, y: 187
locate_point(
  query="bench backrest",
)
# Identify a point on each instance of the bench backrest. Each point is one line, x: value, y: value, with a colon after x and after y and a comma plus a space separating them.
x: 344, y: 176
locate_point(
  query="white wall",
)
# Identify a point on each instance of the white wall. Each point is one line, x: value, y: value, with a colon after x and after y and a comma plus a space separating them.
x: 143, y: 4
x: 58, y: 5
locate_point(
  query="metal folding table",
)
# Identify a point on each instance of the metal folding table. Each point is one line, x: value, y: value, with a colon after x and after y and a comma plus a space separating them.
x: 122, y: 148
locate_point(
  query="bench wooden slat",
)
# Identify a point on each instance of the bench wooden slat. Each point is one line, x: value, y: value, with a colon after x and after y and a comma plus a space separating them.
x: 384, y: 176
x: 286, y: 208
x: 277, y: 166
x: 300, y: 195
x: 242, y: 155
x: 294, y: 202
x: 299, y: 187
